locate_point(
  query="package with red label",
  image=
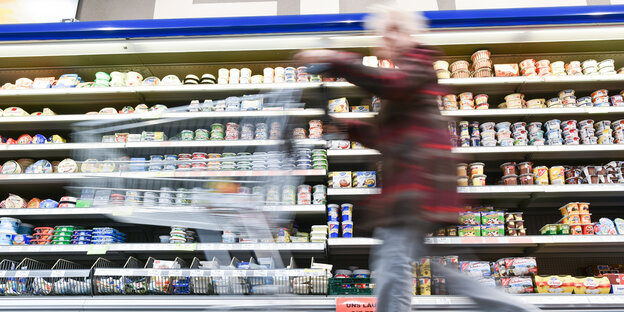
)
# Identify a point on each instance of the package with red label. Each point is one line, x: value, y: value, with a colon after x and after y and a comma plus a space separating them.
x: 517, y: 284
x: 517, y: 266
x: 506, y: 70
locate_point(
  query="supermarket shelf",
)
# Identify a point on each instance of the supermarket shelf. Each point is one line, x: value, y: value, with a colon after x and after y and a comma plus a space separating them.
x: 73, y: 177
x: 551, y: 302
x: 148, y: 94
x: 221, y: 173
x: 515, y: 191
x: 67, y: 121
x: 541, y: 244
x: 524, y: 112
x: 160, y: 248
x: 359, y: 155
x: 356, y: 115
x: 543, y: 152
x: 223, y: 143
x: 352, y: 191
x: 82, y: 213
x: 42, y: 150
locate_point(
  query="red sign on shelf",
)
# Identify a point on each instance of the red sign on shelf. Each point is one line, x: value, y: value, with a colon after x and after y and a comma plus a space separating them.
x: 357, y: 304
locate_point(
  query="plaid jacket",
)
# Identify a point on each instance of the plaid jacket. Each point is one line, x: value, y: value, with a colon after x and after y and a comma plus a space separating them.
x: 418, y: 169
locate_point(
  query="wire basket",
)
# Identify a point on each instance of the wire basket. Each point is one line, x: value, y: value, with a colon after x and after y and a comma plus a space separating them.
x: 68, y: 278
x: 20, y: 282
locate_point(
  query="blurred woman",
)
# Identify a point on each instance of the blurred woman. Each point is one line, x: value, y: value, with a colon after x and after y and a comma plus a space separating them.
x: 418, y: 169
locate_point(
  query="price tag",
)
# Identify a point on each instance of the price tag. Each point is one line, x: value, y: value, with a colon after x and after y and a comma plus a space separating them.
x: 3, y: 273
x: 21, y: 273
x: 34, y: 248
x: 596, y: 110
x: 185, y: 247
x: 175, y: 273
x: 197, y: 273
x: 443, y: 240
x: 123, y: 210
x: 15, y: 248
x: 163, y: 174
x: 239, y: 273
x: 97, y: 249
x: 443, y: 301
x: 152, y: 273
x: 260, y: 273
x: 217, y: 273
x: 428, y: 240
x: 59, y: 273
x: 366, y: 304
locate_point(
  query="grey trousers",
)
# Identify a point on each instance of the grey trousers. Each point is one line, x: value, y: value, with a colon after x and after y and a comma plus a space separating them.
x: 394, y: 286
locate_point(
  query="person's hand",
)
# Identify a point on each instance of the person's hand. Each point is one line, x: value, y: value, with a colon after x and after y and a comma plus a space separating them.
x: 316, y: 56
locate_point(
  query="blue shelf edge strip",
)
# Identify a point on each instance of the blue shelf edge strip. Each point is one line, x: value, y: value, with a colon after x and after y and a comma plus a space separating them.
x: 604, y: 14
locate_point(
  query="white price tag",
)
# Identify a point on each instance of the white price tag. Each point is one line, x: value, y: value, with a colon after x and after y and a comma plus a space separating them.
x: 197, y: 273
x: 443, y: 240
x: 428, y: 240
x: 15, y: 248
x: 59, y: 273
x: 34, y: 248
x: 217, y: 273
x: 21, y: 273
x: 3, y: 273
x: 239, y: 273
x: 175, y: 273
x: 260, y: 273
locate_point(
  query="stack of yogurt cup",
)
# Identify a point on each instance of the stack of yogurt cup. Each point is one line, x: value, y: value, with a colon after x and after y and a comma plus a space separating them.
x: 103, y: 79
x: 177, y: 235
x: 346, y: 220
x: 319, y: 159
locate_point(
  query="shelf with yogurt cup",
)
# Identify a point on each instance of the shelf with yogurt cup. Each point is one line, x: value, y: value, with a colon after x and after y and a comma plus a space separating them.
x: 581, y: 151
x: 94, y: 212
x: 527, y: 112
x: 221, y: 143
x: 353, y: 191
x: 352, y: 155
x: 161, y: 248
x: 520, y: 191
x: 222, y: 173
x: 156, y: 94
x: 354, y: 115
x: 507, y: 244
x: 557, y: 302
x: 67, y: 121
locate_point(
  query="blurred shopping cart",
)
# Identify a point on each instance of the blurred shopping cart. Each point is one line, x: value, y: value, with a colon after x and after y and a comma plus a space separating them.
x: 215, y: 165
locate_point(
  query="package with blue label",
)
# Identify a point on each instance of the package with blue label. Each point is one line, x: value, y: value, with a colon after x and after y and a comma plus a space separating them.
x: 364, y: 179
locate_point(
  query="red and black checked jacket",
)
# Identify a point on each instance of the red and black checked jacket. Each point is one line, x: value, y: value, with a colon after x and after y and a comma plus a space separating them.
x: 418, y: 170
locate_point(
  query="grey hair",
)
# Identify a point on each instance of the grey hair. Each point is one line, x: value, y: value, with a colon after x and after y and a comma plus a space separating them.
x: 385, y: 15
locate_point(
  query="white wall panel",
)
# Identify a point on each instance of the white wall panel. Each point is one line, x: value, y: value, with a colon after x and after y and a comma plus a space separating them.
x: 494, y: 4
x: 320, y: 6
x: 189, y: 9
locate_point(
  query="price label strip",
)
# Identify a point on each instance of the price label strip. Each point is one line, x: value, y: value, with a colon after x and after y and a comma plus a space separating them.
x: 185, y: 247
x: 97, y: 250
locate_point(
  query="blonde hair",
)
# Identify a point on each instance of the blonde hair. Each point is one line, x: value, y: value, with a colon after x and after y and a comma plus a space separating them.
x: 386, y: 15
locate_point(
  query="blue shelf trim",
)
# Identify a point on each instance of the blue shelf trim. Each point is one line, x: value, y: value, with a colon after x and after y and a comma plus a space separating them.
x: 305, y: 23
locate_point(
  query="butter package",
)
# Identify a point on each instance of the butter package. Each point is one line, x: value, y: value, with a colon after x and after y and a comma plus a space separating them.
x: 364, y: 179
x: 340, y: 105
